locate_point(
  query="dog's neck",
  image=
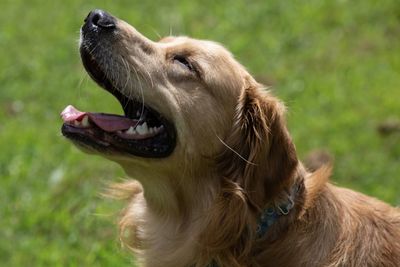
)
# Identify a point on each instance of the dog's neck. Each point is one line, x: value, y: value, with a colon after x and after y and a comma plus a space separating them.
x: 172, y: 194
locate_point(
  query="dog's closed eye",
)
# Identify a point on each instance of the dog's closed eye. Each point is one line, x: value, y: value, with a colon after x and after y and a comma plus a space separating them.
x: 182, y: 60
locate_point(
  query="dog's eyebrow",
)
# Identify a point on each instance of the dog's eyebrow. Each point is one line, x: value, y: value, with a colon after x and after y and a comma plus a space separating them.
x: 182, y: 50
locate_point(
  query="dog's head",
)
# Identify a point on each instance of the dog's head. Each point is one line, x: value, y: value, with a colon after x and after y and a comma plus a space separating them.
x: 173, y: 92
x: 185, y: 101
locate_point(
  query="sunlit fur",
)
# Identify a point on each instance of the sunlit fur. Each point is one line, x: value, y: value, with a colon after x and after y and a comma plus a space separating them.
x: 234, y: 157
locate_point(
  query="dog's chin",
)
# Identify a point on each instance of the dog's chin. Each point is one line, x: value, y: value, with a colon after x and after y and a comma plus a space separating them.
x: 141, y: 131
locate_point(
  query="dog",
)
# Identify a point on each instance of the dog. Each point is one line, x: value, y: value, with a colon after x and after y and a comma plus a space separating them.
x: 217, y: 178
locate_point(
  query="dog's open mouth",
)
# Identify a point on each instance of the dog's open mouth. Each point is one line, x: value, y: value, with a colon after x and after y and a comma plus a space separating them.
x: 141, y: 131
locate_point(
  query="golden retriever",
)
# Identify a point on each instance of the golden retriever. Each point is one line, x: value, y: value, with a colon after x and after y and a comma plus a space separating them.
x: 218, y: 181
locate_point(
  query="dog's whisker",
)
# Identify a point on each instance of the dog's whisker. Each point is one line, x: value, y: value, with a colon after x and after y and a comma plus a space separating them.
x: 80, y: 86
x: 234, y: 151
x: 131, y: 92
x: 91, y: 51
x: 124, y: 88
x: 150, y: 78
x: 141, y: 92
x: 156, y: 32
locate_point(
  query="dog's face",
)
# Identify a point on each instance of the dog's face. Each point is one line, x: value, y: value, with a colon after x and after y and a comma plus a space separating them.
x: 174, y: 94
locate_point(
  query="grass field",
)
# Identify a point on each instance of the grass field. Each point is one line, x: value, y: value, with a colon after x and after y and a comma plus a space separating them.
x: 336, y: 64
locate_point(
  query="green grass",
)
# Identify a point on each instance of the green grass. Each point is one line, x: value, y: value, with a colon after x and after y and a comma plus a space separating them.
x: 335, y: 63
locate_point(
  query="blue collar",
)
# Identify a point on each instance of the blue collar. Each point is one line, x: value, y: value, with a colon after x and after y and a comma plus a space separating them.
x: 271, y: 214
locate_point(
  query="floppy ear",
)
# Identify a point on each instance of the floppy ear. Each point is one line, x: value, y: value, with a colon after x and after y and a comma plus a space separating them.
x: 257, y: 163
x: 259, y: 155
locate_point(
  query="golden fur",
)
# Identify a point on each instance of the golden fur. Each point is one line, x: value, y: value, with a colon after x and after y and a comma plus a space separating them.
x: 234, y: 156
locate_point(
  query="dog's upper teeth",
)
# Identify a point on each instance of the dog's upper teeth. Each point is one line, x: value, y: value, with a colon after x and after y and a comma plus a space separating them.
x: 131, y: 130
x: 85, y: 121
x: 77, y: 123
x: 142, y: 129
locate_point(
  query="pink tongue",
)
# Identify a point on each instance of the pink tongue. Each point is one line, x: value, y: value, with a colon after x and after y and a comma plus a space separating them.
x: 107, y: 122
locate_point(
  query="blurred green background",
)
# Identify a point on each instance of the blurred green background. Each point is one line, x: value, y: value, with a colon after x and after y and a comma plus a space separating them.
x: 336, y: 64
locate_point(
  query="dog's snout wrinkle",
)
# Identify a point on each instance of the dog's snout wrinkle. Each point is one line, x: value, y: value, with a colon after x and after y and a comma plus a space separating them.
x: 101, y: 19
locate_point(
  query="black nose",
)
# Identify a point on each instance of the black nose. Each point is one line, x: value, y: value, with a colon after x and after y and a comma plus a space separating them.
x: 101, y: 19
